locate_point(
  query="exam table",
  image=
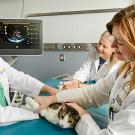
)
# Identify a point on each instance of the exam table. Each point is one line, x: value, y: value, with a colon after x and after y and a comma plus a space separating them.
x: 43, y: 127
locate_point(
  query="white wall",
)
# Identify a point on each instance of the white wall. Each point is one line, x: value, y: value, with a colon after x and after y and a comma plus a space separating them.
x: 82, y: 28
x: 13, y: 8
x: 68, y: 5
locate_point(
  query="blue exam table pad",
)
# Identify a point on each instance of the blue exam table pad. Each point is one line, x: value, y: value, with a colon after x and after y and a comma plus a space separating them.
x: 35, y: 127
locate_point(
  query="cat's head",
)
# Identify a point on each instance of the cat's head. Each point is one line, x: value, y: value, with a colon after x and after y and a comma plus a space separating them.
x: 68, y: 116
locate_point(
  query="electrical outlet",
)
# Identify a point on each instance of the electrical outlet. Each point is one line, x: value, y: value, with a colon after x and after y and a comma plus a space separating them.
x: 62, y: 57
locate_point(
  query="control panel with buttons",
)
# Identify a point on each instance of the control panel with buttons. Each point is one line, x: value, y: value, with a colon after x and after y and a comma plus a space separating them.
x: 67, y: 46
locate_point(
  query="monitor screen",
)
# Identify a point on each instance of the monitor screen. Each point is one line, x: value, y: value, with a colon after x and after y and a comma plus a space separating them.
x: 20, y: 37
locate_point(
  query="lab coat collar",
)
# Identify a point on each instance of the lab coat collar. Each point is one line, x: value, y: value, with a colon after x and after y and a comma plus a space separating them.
x: 3, y: 82
x: 97, y: 62
x: 129, y: 100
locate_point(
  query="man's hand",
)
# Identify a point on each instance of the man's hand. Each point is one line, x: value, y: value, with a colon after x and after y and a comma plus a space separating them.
x: 45, y: 101
x: 49, y: 90
x: 70, y: 84
x: 81, y: 85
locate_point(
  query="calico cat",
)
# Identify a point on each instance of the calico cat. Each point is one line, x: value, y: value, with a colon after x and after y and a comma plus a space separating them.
x: 57, y: 113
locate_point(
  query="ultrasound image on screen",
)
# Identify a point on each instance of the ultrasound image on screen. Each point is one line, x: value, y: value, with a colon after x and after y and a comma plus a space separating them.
x: 16, y: 36
x: 19, y: 36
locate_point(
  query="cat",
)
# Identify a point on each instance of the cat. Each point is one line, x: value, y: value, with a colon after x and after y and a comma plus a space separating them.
x: 58, y: 113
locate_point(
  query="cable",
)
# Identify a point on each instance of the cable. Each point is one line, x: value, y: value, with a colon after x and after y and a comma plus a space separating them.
x: 22, y: 9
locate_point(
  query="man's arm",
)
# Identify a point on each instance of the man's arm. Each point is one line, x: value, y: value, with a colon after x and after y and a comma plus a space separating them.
x: 49, y: 90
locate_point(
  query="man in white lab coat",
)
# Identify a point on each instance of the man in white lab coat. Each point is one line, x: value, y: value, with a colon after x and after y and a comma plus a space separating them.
x: 11, y: 78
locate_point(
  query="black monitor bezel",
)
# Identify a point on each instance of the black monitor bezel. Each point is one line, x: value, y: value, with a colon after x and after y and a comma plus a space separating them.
x: 16, y: 52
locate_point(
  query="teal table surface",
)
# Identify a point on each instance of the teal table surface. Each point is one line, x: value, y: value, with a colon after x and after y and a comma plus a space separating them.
x: 53, y: 82
x: 35, y: 127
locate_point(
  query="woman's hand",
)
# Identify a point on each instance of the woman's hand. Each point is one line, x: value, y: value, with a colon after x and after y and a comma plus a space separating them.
x: 79, y: 109
x: 44, y: 102
x: 67, y: 83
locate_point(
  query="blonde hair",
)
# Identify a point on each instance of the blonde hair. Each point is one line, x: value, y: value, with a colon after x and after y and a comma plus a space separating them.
x: 125, y: 19
x: 109, y: 37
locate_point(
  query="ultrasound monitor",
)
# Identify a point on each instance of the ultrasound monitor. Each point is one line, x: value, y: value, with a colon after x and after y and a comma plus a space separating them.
x: 20, y: 37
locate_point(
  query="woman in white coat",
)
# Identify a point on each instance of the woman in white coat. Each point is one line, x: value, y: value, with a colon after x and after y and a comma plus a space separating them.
x: 11, y: 78
x: 99, y: 63
x: 118, y: 89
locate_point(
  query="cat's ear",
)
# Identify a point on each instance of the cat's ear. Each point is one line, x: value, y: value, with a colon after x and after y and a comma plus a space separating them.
x: 77, y: 117
x: 73, y: 111
x: 64, y: 107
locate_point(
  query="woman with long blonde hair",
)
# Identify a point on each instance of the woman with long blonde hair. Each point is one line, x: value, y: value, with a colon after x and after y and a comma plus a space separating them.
x: 118, y: 89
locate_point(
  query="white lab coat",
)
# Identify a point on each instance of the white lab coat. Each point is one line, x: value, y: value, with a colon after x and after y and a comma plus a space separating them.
x: 98, y: 94
x: 89, y: 70
x: 10, y: 77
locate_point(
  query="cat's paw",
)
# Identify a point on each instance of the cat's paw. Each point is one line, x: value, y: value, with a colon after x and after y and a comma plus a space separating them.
x: 27, y: 107
x: 31, y: 104
x: 60, y: 86
x: 44, y: 113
